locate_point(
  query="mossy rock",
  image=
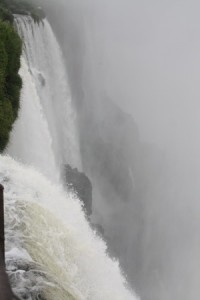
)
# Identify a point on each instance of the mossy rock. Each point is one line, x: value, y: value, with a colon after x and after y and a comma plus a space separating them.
x: 10, y: 81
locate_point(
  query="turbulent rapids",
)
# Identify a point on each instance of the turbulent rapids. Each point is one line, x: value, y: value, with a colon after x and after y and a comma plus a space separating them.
x: 51, y: 251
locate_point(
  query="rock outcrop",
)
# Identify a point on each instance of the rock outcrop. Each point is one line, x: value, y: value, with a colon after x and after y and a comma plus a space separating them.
x: 81, y: 185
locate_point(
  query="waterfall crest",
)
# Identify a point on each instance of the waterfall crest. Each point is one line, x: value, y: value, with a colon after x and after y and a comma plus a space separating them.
x: 45, y: 134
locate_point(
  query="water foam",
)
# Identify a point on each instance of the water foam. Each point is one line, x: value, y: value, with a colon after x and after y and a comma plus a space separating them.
x: 48, y: 235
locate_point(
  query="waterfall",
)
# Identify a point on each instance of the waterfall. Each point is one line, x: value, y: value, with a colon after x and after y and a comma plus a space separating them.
x: 45, y: 134
x: 51, y: 251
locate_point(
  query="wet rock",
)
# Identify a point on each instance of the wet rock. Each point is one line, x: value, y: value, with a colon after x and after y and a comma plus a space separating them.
x: 81, y: 185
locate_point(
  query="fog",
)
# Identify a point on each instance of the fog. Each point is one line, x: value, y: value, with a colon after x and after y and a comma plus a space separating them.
x: 145, y: 57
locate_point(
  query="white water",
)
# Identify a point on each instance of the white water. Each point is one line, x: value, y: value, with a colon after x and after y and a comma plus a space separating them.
x: 51, y: 251
x: 50, y: 247
x: 45, y: 134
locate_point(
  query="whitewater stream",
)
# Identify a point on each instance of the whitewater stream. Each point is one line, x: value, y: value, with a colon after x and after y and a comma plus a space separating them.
x: 51, y: 251
x: 45, y: 134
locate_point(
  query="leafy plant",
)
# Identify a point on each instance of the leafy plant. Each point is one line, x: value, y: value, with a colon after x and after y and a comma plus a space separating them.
x: 24, y: 7
x: 10, y: 81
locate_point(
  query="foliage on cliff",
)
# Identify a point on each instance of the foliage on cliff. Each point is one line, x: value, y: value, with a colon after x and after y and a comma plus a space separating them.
x: 23, y: 7
x: 10, y: 81
x: 5, y: 14
x: 10, y: 52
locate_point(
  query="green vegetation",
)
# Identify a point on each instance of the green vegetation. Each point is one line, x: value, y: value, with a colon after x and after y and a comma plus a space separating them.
x: 10, y: 52
x: 23, y: 7
x: 5, y: 14
x: 10, y: 81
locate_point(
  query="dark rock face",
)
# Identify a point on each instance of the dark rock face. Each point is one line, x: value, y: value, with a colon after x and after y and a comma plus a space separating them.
x: 81, y: 185
x: 99, y: 229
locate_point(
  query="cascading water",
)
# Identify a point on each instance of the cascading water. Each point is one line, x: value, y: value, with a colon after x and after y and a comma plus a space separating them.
x: 51, y: 251
x: 45, y: 133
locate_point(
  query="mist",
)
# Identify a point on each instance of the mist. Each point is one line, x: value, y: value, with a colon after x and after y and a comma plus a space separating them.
x: 143, y: 57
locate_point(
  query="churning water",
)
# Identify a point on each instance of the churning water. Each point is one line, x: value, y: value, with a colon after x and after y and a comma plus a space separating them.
x: 51, y: 251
